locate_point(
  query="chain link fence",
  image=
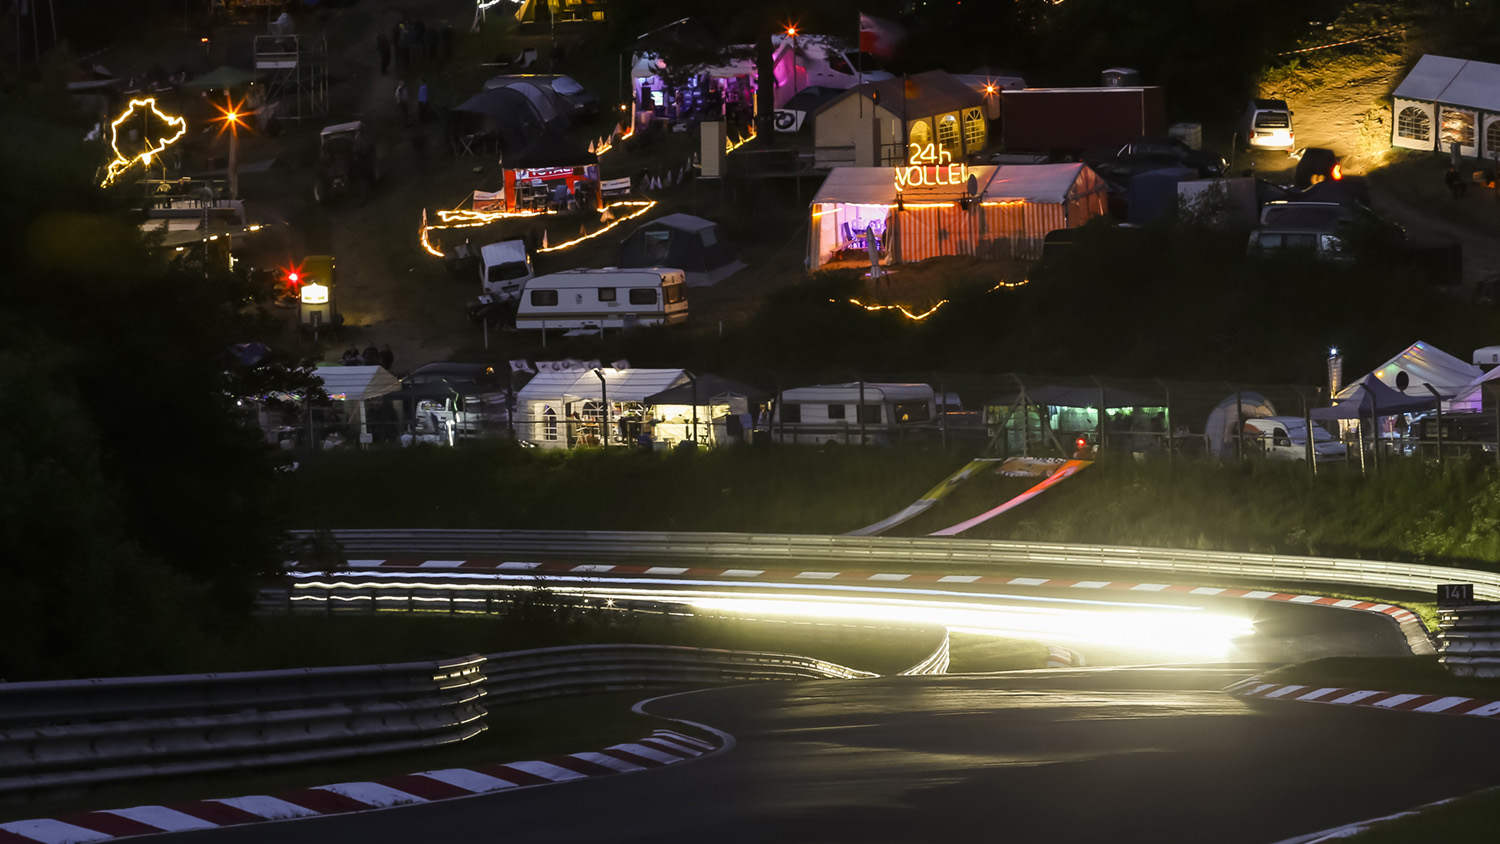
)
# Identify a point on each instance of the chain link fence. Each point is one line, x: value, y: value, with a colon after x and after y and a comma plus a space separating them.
x: 1011, y: 414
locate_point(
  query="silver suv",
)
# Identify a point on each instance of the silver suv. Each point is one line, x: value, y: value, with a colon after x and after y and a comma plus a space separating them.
x: 1268, y: 125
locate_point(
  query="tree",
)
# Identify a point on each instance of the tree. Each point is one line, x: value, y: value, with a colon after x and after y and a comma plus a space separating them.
x: 137, y: 505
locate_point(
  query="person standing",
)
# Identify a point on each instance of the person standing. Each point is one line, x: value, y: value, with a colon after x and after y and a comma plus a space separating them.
x: 422, y: 101
x: 387, y: 357
x: 401, y: 102
x: 383, y: 46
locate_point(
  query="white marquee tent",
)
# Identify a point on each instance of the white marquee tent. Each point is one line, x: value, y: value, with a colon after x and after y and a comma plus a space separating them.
x: 1422, y: 364
x: 563, y: 409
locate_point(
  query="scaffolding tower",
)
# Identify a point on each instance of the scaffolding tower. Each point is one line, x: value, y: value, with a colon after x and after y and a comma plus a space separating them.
x: 298, y: 68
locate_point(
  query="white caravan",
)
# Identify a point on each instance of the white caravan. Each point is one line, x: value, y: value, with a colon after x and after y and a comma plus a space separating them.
x: 857, y: 413
x: 604, y: 298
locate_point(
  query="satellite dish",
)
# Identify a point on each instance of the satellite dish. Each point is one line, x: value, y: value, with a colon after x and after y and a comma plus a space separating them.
x: 973, y: 185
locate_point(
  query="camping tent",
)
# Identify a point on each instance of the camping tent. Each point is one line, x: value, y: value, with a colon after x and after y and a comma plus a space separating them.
x: 1369, y: 397
x: 357, y: 385
x: 1057, y: 409
x: 534, y: 172
x: 1447, y: 101
x: 1422, y: 364
x: 1024, y: 202
x: 506, y: 115
x: 683, y: 242
x: 564, y: 409
x: 1012, y: 209
x: 1224, y: 422
x: 717, y: 409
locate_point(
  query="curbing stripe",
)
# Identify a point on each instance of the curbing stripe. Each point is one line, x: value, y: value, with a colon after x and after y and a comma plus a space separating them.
x: 113, y: 826
x: 667, y: 747
x: 372, y: 793
x: 471, y: 781
x: 514, y: 775
x: 545, y: 770
x: 1442, y: 704
x: 604, y: 760
x: 582, y: 767
x: 216, y: 813
x: 646, y: 752
x: 323, y: 802
x: 426, y: 787
x: 682, y: 739
x: 49, y: 831
x: 161, y: 817
x: 267, y: 808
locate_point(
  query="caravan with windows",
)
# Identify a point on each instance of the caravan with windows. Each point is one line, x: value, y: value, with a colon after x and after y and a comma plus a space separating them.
x: 603, y: 298
x: 850, y: 414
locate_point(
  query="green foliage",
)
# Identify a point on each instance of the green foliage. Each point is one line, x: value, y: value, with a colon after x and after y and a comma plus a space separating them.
x: 139, y: 506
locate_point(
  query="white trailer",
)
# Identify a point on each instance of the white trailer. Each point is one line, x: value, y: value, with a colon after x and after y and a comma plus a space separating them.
x: 604, y: 298
x: 862, y: 412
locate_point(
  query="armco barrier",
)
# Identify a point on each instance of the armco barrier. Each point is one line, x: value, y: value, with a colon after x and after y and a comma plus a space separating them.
x: 578, y: 669
x: 1469, y: 640
x: 79, y: 733
x: 913, y: 553
x: 83, y: 732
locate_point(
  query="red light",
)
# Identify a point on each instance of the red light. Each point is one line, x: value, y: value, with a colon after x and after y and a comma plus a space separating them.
x: 292, y: 277
x: 1338, y: 172
x: 1082, y: 443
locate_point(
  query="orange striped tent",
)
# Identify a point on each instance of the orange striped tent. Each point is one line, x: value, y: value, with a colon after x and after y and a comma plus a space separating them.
x: 915, y: 213
x: 1023, y: 202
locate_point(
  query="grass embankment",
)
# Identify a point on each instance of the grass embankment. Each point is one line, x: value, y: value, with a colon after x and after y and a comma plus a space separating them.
x: 1407, y: 511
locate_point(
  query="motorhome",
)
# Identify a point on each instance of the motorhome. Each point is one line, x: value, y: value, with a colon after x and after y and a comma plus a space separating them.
x: 863, y: 412
x: 593, y: 299
x: 504, y: 269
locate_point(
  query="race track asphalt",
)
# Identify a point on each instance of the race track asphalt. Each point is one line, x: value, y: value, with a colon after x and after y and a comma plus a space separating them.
x: 1118, y: 755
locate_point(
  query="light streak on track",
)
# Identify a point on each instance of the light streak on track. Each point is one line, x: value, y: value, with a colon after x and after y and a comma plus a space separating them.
x: 1173, y: 628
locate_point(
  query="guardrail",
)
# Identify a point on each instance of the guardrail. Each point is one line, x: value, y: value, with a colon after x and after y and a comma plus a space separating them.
x: 911, y: 553
x: 79, y: 733
x: 83, y: 732
x: 1469, y: 640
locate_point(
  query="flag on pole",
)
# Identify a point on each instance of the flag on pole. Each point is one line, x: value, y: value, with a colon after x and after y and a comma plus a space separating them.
x: 879, y: 37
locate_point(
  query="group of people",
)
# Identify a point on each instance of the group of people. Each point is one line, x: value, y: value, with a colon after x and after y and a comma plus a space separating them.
x: 403, y: 102
x: 371, y: 356
x: 409, y: 40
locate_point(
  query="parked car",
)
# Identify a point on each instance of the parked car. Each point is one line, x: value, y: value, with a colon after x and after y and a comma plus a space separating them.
x: 1176, y: 151
x: 1268, y: 125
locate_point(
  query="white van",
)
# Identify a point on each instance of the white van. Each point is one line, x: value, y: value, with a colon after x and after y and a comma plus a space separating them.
x: 604, y: 298
x: 1268, y: 125
x: 841, y: 413
x: 1285, y: 438
x: 504, y: 269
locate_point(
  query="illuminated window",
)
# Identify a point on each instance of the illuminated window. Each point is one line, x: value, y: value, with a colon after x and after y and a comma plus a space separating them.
x: 974, y: 129
x: 948, y: 134
x: 549, y: 423
x: 1414, y: 123
x: 912, y: 412
x: 1457, y: 128
x: 674, y: 293
x: 919, y: 133
x: 1492, y: 138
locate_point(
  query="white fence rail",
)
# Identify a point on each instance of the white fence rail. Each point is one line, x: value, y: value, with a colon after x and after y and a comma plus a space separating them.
x: 80, y: 733
x: 1469, y: 641
x: 910, y: 553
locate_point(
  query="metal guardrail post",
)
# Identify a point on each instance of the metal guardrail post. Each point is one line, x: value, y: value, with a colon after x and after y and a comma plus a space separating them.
x: 1469, y: 640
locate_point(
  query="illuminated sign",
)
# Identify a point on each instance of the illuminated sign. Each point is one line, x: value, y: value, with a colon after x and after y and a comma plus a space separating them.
x: 930, y: 166
x: 543, y: 173
x: 174, y: 129
x: 314, y: 294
